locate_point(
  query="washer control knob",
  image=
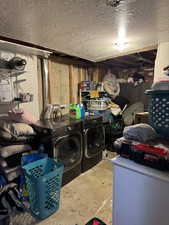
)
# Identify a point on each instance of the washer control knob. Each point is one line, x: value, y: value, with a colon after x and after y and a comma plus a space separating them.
x: 97, y: 145
x: 45, y: 131
x: 69, y: 128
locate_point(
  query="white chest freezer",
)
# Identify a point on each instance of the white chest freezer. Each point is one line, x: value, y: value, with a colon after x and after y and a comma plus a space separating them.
x: 140, y: 194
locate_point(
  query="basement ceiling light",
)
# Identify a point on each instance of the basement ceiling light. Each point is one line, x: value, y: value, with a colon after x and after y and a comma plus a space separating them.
x: 121, y: 45
x: 113, y: 3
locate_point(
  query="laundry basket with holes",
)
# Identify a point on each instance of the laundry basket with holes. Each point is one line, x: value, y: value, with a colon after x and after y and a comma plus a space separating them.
x: 159, y: 111
x: 43, y: 180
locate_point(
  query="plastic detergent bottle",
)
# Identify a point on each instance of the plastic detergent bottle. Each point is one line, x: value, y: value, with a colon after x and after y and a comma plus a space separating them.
x: 82, y: 110
x: 78, y: 111
x: 75, y: 111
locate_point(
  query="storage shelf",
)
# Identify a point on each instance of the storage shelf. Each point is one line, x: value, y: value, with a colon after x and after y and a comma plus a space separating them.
x: 6, y: 73
x: 98, y: 109
x: 13, y: 102
x: 93, y: 90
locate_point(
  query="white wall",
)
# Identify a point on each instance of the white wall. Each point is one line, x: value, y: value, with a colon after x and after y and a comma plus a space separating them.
x: 162, y: 60
x: 31, y: 83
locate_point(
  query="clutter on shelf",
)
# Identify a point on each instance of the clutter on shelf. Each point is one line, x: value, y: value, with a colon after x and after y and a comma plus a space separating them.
x: 16, y: 63
x: 114, y: 109
x: 10, y: 88
x: 136, y: 78
x: 142, y: 117
x: 99, y: 105
x: 111, y: 85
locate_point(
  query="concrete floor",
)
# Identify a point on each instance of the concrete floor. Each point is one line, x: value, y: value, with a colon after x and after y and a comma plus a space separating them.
x: 87, y: 196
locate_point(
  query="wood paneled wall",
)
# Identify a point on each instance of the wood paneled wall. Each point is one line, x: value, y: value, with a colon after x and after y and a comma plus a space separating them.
x: 58, y: 83
x: 64, y: 79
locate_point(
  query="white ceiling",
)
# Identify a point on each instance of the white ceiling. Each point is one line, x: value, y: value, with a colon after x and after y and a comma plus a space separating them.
x: 86, y: 28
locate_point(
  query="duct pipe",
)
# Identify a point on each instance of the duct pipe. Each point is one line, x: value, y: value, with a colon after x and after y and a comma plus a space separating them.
x: 45, y: 80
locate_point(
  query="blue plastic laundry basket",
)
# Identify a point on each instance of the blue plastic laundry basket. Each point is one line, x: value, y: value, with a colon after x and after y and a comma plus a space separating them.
x: 159, y: 111
x: 43, y: 180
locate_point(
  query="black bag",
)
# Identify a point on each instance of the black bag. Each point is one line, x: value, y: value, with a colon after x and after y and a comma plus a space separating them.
x: 4, y: 220
x: 95, y: 221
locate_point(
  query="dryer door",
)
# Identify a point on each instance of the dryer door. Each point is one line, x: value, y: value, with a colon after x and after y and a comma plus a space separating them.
x: 68, y: 149
x: 94, y: 141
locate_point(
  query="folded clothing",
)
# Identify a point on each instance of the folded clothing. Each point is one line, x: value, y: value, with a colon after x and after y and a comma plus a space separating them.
x: 122, y: 140
x: 11, y: 174
x: 19, y: 141
x: 158, y: 143
x: 10, y: 130
x: 140, y: 132
x: 7, y: 151
x: 10, y: 171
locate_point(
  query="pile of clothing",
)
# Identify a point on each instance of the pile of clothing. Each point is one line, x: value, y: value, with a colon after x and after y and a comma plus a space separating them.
x: 15, y: 139
x: 142, y: 144
x: 10, y: 201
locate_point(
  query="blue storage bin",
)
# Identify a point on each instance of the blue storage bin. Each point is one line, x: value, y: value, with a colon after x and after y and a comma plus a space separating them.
x: 159, y: 111
x: 43, y: 180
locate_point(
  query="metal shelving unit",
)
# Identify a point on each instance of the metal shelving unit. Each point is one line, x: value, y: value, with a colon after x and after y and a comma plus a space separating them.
x: 4, y: 73
x: 93, y: 104
x: 12, y: 86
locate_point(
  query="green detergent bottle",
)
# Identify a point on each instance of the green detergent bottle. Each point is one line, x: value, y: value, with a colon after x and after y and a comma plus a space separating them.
x: 75, y: 111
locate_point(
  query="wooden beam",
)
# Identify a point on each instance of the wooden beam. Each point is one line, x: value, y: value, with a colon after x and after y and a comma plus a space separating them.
x: 72, y: 61
x: 119, y: 65
x: 139, y: 57
x: 124, y: 61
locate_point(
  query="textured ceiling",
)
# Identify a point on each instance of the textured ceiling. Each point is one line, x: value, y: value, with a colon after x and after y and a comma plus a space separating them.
x: 86, y: 28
